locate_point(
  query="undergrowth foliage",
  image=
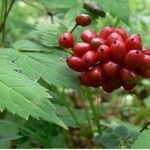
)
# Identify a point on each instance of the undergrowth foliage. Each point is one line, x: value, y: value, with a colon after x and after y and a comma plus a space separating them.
x: 42, y: 102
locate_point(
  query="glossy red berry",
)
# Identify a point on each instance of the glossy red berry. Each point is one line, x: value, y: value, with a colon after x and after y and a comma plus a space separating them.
x: 121, y: 31
x: 145, y: 73
x: 75, y: 63
x: 145, y: 61
x: 133, y: 59
x: 128, y: 76
x: 83, y: 20
x: 113, y: 37
x: 111, y: 68
x: 96, y: 42
x: 133, y: 42
x: 97, y: 75
x: 88, y: 35
x: 85, y: 79
x: 80, y: 49
x: 89, y: 59
x: 118, y: 51
x: 103, y: 53
x: 128, y: 86
x: 105, y: 32
x: 106, y: 87
x: 146, y: 51
x: 66, y: 40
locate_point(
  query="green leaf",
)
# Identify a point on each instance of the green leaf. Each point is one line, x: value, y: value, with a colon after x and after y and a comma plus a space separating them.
x: 122, y: 132
x: 110, y: 140
x: 117, y: 8
x: 49, y: 67
x: 59, y: 4
x: 48, y: 33
x: 143, y: 141
x: 71, y: 14
x: 27, y: 45
x: 22, y: 96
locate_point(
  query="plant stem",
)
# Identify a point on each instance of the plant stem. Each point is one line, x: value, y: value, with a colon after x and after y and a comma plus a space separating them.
x: 63, y: 95
x: 95, y: 114
x: 73, y: 28
x: 6, y: 14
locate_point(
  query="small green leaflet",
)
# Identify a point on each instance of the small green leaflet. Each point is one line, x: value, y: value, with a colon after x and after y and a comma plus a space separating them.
x: 117, y: 8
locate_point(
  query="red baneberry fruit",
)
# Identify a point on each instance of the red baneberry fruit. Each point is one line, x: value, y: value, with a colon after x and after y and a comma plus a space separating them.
x: 133, y: 42
x: 133, y: 59
x: 105, y: 32
x: 103, y: 53
x: 128, y: 76
x: 145, y: 72
x: 111, y: 68
x: 80, y: 49
x: 85, y: 79
x: 128, y: 86
x: 89, y: 59
x: 88, y: 35
x: 118, y: 51
x: 96, y: 42
x: 113, y: 37
x: 83, y: 20
x: 97, y: 75
x: 145, y: 62
x: 121, y: 31
x: 66, y: 40
x: 75, y: 63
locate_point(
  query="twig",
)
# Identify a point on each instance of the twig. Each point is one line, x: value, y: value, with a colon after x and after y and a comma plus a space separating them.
x: 145, y: 126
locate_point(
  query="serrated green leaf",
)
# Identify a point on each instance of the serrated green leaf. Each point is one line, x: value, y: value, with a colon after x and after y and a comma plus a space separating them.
x: 117, y: 8
x: 71, y: 14
x: 143, y: 141
x: 59, y: 4
x: 49, y: 33
x: 27, y: 45
x: 51, y: 68
x: 24, y: 97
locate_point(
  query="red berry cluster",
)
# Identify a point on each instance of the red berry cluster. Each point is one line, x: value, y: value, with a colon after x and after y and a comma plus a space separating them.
x: 110, y: 59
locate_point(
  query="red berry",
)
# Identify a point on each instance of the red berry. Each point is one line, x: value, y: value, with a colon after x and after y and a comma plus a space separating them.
x: 88, y: 35
x: 89, y: 59
x: 97, y: 75
x: 128, y: 76
x: 85, y: 79
x: 96, y: 42
x: 133, y: 59
x: 105, y: 32
x: 111, y: 68
x: 133, y: 42
x: 113, y: 37
x: 112, y: 83
x: 83, y: 20
x: 75, y: 63
x: 121, y: 31
x: 145, y: 62
x: 146, y: 51
x: 66, y: 40
x: 145, y: 73
x: 80, y: 49
x: 106, y: 87
x: 103, y: 53
x: 128, y: 86
x: 118, y: 51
